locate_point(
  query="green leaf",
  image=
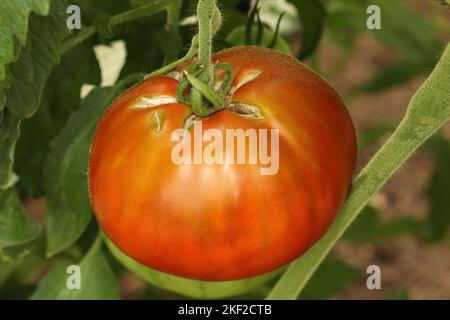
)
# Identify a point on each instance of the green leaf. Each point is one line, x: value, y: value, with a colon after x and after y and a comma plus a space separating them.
x: 21, y: 264
x: 330, y: 278
x: 26, y: 78
x: 15, y: 228
x: 398, y: 295
x: 229, y: 4
x: 395, y: 74
x: 9, y: 133
x: 372, y: 135
x: 405, y: 30
x: 237, y: 37
x: 402, y: 29
x: 97, y: 280
x: 14, y: 15
x: 144, y: 49
x: 41, y: 52
x: 94, y: 12
x: 231, y: 19
x: 189, y: 287
x: 6, y: 270
x: 30, y: 249
x: 428, y: 110
x: 438, y: 190
x: 68, y: 208
x: 312, y: 16
x: 345, y: 20
x: 170, y: 42
x: 61, y: 97
x: 368, y: 227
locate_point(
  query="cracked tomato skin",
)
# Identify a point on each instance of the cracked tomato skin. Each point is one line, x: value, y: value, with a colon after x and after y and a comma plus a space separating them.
x: 218, y: 222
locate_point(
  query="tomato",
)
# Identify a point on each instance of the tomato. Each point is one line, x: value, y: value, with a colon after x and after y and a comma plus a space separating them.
x: 224, y: 221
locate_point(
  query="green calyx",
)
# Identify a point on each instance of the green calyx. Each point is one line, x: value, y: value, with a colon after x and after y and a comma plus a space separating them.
x: 201, y: 96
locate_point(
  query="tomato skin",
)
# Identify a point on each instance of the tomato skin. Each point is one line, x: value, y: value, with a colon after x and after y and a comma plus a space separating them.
x: 217, y: 222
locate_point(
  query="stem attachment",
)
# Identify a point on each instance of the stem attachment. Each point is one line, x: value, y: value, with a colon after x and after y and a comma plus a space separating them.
x: 196, y: 85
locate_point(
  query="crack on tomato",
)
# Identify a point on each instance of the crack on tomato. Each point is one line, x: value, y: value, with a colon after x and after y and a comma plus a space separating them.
x: 157, y: 120
x: 246, y: 110
x: 251, y: 76
x: 190, y: 120
x: 149, y: 101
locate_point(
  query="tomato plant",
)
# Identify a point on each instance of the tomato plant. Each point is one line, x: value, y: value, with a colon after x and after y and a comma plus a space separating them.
x: 194, y: 146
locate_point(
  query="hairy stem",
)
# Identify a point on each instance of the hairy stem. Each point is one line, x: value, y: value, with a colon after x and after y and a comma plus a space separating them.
x: 205, y: 12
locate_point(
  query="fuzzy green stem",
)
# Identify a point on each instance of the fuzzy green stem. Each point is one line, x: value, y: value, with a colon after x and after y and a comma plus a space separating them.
x: 209, y: 21
x: 205, y: 12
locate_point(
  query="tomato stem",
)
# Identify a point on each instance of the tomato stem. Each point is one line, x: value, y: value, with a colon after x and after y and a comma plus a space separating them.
x: 193, y: 50
x: 209, y: 21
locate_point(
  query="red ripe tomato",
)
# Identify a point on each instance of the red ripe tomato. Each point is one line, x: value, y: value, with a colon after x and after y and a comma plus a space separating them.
x: 219, y: 221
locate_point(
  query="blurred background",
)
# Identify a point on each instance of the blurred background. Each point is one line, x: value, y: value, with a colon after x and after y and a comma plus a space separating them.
x: 405, y: 229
